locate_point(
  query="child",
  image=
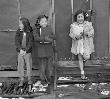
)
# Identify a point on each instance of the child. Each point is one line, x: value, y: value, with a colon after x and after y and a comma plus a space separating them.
x: 24, y: 42
x: 44, y: 37
x: 82, y: 34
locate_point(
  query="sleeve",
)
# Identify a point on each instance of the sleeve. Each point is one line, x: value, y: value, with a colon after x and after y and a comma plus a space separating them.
x: 72, y: 34
x: 37, y: 37
x: 30, y: 42
x: 49, y: 36
x: 52, y: 36
x: 17, y: 40
x: 90, y: 31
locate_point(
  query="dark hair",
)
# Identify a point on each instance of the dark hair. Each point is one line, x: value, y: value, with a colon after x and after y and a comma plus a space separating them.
x: 79, y: 12
x: 26, y: 23
x: 37, y: 24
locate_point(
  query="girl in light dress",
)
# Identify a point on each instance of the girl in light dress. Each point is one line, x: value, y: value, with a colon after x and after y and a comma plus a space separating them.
x: 82, y: 33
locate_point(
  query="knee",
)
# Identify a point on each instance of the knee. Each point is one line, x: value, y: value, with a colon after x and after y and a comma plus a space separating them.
x: 80, y: 57
x: 86, y: 56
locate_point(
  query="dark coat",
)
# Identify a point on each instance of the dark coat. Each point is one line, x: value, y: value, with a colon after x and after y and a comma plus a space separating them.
x: 44, y: 49
x: 29, y: 41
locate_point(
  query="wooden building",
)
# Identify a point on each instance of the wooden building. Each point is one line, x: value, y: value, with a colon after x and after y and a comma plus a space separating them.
x: 60, y: 14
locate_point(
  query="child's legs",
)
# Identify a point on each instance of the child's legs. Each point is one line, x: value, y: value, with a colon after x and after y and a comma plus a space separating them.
x: 81, y: 66
x: 21, y: 66
x: 28, y: 61
x: 42, y: 68
x: 49, y: 67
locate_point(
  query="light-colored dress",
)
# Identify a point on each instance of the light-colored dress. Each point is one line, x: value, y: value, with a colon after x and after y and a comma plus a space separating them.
x: 85, y: 44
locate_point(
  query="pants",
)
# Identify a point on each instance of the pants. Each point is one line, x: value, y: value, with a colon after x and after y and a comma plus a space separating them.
x: 46, y: 68
x: 22, y: 61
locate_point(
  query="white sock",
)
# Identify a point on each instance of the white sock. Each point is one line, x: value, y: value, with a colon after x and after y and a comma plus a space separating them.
x: 82, y: 72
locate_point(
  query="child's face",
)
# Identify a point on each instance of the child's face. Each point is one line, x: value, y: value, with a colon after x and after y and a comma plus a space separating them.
x: 43, y: 22
x: 21, y: 26
x: 80, y: 18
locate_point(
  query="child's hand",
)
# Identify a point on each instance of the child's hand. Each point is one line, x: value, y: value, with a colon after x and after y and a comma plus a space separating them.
x: 79, y: 37
x: 48, y: 39
x: 52, y: 36
x: 22, y: 52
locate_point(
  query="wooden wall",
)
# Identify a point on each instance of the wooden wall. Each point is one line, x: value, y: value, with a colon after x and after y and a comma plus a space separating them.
x: 101, y: 41
x: 63, y: 21
x: 32, y: 8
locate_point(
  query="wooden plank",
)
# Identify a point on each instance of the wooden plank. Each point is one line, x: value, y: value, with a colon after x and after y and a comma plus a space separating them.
x: 9, y: 74
x: 16, y: 74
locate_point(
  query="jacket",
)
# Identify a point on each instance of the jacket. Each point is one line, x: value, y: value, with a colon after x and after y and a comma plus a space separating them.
x: 45, y: 48
x: 29, y: 41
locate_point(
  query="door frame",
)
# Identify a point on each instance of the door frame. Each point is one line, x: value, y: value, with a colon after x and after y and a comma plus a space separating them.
x: 109, y: 27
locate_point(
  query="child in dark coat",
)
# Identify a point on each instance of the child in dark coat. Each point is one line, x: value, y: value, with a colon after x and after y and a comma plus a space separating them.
x: 44, y: 37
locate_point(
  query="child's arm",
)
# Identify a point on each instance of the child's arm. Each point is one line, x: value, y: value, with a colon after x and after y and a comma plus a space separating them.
x: 37, y: 37
x: 17, y: 40
x: 52, y: 36
x: 73, y: 34
x: 90, y: 30
x: 30, y: 42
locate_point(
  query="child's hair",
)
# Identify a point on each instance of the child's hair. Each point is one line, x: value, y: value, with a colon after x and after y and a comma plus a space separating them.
x: 37, y: 24
x: 26, y: 23
x: 79, y: 12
